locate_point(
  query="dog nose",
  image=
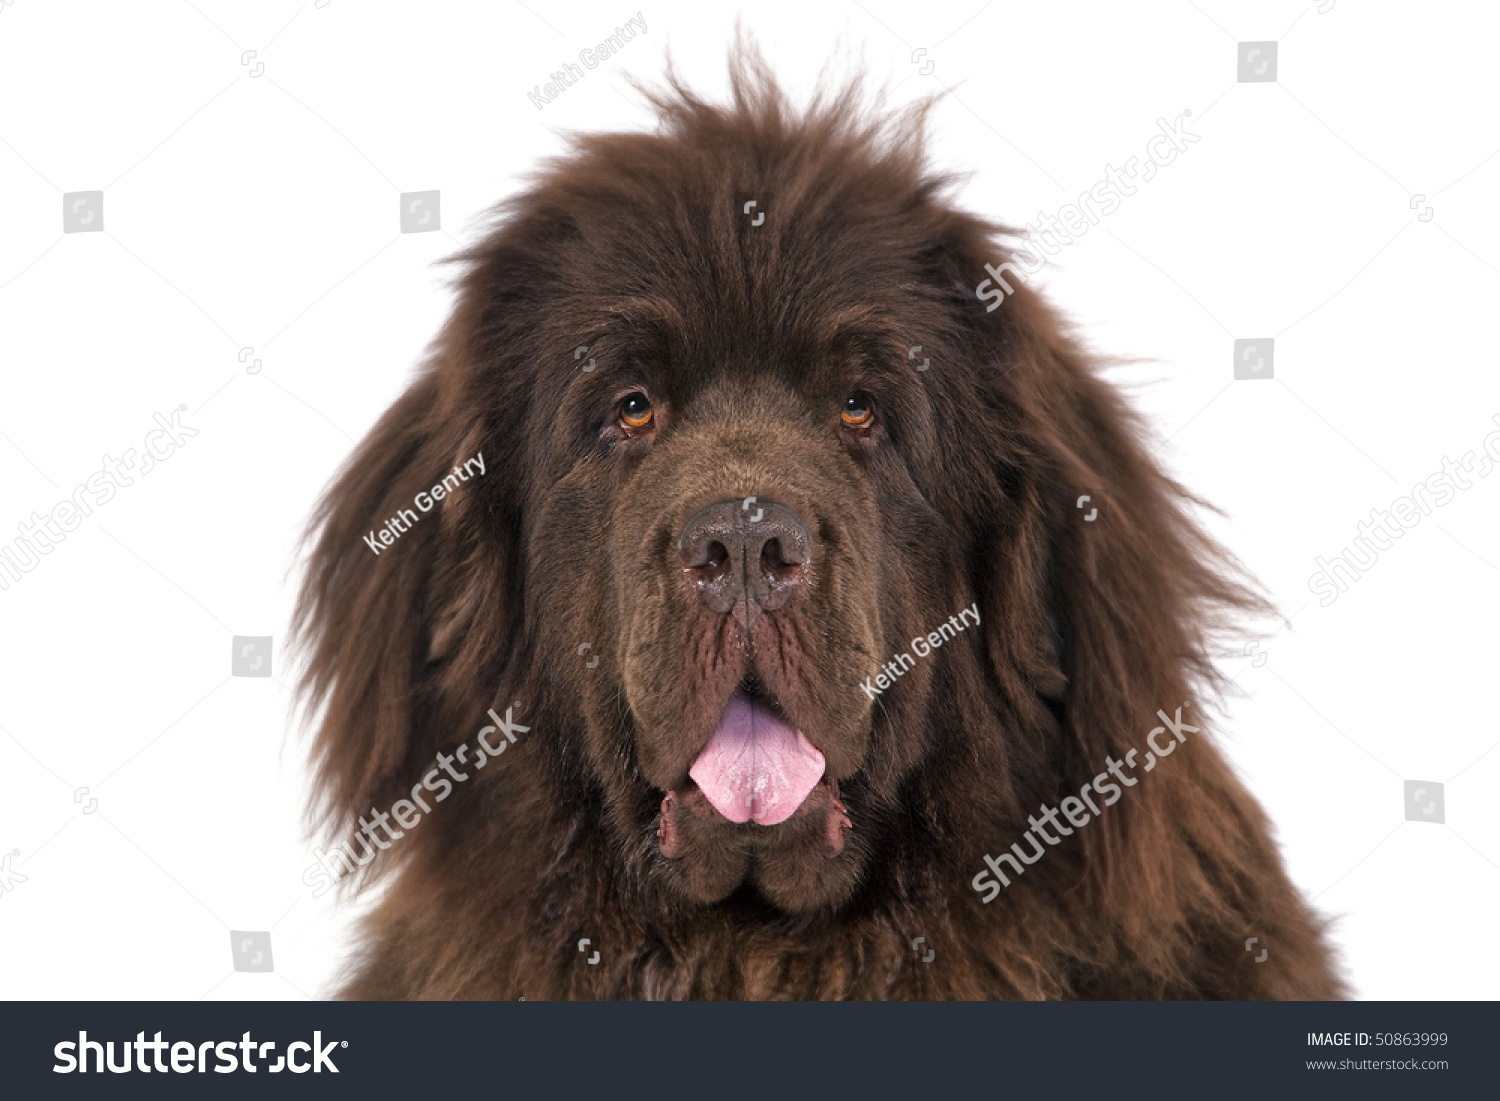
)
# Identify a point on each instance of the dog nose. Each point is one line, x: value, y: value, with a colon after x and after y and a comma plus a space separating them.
x: 745, y: 552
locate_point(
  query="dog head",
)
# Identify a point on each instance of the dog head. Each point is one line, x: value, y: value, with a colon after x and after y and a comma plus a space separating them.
x: 777, y: 531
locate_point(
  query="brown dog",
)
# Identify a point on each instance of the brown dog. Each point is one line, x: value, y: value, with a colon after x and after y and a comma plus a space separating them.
x: 793, y: 627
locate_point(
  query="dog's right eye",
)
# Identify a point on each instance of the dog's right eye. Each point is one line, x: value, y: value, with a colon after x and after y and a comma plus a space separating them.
x: 635, y: 411
x: 859, y: 410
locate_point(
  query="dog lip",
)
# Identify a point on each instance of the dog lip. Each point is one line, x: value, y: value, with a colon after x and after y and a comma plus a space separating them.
x: 690, y: 800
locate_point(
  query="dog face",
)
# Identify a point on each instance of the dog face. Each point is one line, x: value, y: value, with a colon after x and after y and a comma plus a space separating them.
x: 739, y: 500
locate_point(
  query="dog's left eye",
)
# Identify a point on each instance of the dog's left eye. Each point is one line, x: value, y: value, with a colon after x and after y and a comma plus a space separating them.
x: 635, y: 411
x: 859, y: 410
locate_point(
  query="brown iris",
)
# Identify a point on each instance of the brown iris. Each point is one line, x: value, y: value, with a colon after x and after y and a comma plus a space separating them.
x: 859, y: 410
x: 635, y: 411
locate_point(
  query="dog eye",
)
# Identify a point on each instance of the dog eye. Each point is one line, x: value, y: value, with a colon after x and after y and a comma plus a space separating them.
x: 635, y: 411
x: 859, y: 410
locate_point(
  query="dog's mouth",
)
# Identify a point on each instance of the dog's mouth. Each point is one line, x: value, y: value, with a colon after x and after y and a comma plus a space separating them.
x: 757, y: 767
x: 757, y: 803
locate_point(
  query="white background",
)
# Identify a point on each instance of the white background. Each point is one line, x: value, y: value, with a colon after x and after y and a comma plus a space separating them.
x: 261, y: 212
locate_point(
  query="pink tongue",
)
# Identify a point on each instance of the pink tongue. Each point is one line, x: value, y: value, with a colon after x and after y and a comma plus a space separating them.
x: 756, y: 767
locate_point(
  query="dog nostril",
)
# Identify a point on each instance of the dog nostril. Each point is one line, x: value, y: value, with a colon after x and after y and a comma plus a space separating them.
x: 774, y: 562
x: 714, y: 558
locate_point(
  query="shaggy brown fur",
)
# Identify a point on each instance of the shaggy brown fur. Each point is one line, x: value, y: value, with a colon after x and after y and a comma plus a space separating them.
x: 747, y: 340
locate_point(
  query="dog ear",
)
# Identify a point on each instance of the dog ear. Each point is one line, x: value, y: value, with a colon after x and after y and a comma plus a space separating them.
x: 405, y: 646
x: 400, y: 625
x: 1106, y: 609
x: 1111, y: 624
